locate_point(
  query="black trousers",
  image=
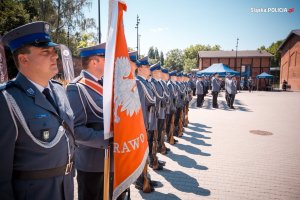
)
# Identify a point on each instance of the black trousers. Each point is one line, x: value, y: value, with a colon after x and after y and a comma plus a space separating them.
x: 160, y: 126
x: 200, y: 98
x: 227, y: 97
x: 215, y: 99
x: 150, y: 142
x: 90, y: 185
x: 176, y: 122
x: 231, y: 99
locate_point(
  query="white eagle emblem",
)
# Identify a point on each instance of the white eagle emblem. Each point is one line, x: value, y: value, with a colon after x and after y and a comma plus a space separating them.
x: 125, y: 90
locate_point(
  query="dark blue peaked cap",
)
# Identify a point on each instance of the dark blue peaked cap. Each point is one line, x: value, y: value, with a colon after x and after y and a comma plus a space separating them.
x: 179, y: 74
x: 154, y: 67
x: 35, y: 34
x: 142, y: 61
x: 173, y: 73
x: 133, y: 56
x: 97, y: 50
x: 164, y: 70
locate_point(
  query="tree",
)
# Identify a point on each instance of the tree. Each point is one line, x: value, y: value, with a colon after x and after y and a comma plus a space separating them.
x: 13, y: 15
x: 273, y: 49
x: 156, y: 54
x: 191, y: 55
x: 151, y: 53
x: 66, y: 18
x: 162, y: 59
x: 174, y: 60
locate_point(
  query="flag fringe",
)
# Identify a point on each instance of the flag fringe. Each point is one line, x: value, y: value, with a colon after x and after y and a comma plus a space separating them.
x: 132, y: 178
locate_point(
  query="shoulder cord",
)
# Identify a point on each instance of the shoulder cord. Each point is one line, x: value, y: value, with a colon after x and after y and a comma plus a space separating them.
x: 147, y: 95
x: 155, y: 91
x: 18, y: 113
x: 91, y: 103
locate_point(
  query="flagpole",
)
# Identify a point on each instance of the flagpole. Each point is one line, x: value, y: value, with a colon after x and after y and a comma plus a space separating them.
x: 106, y: 174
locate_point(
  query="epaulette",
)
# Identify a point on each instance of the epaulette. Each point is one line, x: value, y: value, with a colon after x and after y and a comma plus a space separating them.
x: 77, y: 79
x: 55, y: 81
x: 6, y: 85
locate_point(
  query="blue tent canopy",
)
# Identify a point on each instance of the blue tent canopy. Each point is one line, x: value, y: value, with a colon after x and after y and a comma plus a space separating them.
x: 264, y: 75
x: 219, y: 68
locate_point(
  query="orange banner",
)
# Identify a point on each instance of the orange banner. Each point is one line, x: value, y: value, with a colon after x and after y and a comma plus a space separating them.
x: 130, y: 137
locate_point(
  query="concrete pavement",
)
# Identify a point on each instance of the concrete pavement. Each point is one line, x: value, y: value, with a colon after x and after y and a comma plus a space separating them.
x: 218, y: 157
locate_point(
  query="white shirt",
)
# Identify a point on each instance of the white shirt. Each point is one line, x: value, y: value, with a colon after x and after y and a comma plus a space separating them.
x: 41, y: 88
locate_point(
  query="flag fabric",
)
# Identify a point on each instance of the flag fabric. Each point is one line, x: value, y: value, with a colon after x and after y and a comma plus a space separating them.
x: 67, y: 62
x: 3, y: 66
x: 123, y: 117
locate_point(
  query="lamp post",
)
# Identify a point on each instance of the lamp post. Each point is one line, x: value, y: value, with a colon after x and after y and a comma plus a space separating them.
x: 137, y: 34
x: 236, y: 51
x: 99, y: 24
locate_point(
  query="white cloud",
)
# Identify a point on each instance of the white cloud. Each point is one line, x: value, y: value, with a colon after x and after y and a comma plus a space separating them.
x: 159, y: 29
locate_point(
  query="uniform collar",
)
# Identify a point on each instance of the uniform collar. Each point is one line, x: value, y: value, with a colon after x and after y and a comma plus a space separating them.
x: 91, y: 76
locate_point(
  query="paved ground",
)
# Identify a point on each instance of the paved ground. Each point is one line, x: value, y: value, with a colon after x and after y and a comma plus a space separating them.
x: 218, y: 157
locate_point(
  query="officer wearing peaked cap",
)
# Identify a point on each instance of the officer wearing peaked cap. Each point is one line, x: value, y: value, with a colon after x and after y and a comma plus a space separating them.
x: 148, y: 102
x: 164, y: 79
x: 173, y: 103
x: 37, y: 141
x: 85, y: 94
x: 161, y: 102
x: 160, y: 106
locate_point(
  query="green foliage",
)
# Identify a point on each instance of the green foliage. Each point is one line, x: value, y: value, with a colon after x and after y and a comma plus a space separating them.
x: 174, y: 60
x: 66, y: 18
x: 162, y: 59
x: 272, y: 49
x: 186, y: 59
x: 151, y: 53
x: 13, y: 15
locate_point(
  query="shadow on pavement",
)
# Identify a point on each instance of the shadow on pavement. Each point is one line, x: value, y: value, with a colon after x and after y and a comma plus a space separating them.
x: 158, y: 195
x: 185, y: 161
x: 196, y: 141
x: 197, y: 129
x: 191, y: 149
x: 199, y: 125
x: 196, y: 135
x: 183, y: 182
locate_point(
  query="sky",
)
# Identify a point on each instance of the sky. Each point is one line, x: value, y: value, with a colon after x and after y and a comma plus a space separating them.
x: 171, y: 24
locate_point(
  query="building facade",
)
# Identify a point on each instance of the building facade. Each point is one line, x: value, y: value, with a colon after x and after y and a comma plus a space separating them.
x: 290, y: 60
x: 249, y: 63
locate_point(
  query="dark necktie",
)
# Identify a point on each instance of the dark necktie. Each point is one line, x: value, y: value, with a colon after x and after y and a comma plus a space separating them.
x: 48, y: 96
x: 100, y: 82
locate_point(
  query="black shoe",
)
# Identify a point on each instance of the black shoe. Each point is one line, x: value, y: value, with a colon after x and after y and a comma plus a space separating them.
x: 162, y: 163
x: 154, y: 183
x: 167, y: 149
x: 175, y: 141
x: 160, y: 167
x: 232, y: 107
x: 140, y: 187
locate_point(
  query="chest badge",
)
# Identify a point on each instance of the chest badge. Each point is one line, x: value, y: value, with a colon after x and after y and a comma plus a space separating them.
x: 45, y: 134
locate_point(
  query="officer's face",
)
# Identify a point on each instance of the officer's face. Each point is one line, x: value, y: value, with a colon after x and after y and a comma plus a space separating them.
x: 41, y: 62
x: 144, y: 70
x: 100, y: 65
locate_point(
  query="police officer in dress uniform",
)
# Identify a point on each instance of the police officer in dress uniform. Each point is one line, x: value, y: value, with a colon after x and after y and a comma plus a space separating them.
x: 227, y: 78
x: 232, y: 90
x: 37, y: 141
x: 215, y: 87
x: 200, y: 91
x: 173, y: 96
x: 161, y: 101
x: 85, y: 96
x: 148, y: 102
x: 164, y: 79
x: 180, y: 105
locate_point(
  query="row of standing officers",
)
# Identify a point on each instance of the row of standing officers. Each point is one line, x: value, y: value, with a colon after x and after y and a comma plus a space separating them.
x: 45, y: 128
